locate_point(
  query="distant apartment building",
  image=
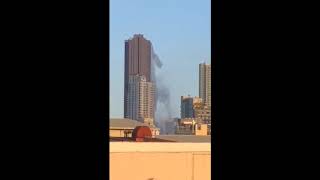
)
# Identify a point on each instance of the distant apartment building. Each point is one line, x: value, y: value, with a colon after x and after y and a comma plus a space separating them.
x: 140, y: 96
x: 205, y: 83
x: 203, y: 112
x: 191, y: 126
x: 137, y: 62
x: 187, y: 103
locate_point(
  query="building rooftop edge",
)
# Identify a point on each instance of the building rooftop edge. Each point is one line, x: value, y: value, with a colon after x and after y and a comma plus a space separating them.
x: 159, y: 147
x: 137, y: 35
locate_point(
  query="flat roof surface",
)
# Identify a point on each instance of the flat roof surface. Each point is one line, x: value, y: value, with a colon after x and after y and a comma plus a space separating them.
x: 185, y: 138
x: 122, y: 147
x: 124, y: 123
x: 123, y: 139
x: 167, y: 138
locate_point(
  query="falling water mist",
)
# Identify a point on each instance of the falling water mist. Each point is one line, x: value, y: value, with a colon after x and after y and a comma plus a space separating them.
x: 163, y: 112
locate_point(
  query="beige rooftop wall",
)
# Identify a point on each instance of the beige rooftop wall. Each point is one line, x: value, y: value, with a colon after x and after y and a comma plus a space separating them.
x: 160, y: 161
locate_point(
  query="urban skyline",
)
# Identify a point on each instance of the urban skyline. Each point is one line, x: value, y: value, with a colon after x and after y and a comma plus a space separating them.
x: 140, y: 82
x: 182, y: 44
x: 157, y: 49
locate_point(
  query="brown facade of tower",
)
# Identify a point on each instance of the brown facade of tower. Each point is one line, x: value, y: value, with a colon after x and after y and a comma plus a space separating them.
x: 137, y: 62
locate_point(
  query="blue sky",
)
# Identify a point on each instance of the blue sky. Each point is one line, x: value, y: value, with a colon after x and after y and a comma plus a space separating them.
x: 180, y: 32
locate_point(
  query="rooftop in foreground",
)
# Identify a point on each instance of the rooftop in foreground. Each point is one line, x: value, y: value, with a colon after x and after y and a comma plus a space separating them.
x: 128, y: 139
x: 167, y: 138
x: 124, y: 123
x: 185, y: 138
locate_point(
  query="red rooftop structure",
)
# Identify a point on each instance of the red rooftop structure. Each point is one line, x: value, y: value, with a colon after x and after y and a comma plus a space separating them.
x: 141, y: 132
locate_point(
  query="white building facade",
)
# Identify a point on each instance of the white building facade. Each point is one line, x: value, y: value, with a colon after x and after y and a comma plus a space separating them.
x: 141, y: 99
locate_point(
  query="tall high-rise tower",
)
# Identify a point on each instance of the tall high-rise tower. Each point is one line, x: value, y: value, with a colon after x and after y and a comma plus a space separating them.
x: 138, y: 72
x: 205, y: 83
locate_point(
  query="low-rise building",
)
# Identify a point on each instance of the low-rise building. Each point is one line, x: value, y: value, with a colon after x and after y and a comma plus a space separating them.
x: 124, y: 127
x: 191, y: 126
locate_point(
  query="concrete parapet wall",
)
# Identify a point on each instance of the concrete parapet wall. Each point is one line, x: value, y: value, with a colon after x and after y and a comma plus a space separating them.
x: 160, y: 161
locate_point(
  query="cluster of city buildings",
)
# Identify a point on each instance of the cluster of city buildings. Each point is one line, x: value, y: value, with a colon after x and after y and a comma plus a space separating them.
x: 140, y: 96
x: 135, y: 138
x: 196, y: 111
